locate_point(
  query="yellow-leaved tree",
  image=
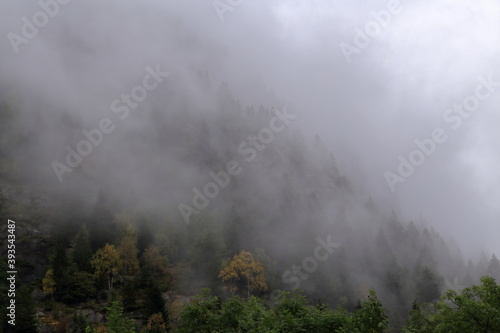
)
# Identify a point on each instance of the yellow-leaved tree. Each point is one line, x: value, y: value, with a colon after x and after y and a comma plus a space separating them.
x: 48, y: 283
x: 128, y: 251
x: 244, y: 266
x: 153, y: 260
x: 106, y: 261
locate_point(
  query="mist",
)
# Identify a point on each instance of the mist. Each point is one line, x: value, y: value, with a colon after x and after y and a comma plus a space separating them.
x: 368, y: 111
x: 387, y: 113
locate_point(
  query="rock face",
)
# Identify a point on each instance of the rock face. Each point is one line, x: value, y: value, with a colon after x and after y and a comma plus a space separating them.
x: 23, y: 195
x: 28, y: 209
x: 31, y: 251
x: 91, y: 315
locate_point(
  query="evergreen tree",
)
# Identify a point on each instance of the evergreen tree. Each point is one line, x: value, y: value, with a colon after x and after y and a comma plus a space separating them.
x: 100, y: 224
x: 116, y: 321
x: 418, y: 318
x: 474, y: 309
x: 153, y: 300
x: 428, y: 285
x: 393, y: 279
x: 370, y: 318
x: 78, y: 286
x: 144, y: 235
x: 60, y: 266
x: 208, y: 253
x: 82, y: 252
x: 25, y: 311
x: 129, y: 294
x: 494, y: 268
x: 128, y: 252
x: 232, y: 229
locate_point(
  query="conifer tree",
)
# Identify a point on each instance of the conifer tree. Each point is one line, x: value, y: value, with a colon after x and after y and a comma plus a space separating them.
x: 82, y: 252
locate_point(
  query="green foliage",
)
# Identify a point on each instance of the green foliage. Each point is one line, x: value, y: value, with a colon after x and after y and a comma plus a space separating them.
x: 116, y: 321
x: 78, y: 286
x: 473, y: 310
x: 418, y: 319
x: 494, y: 267
x: 293, y: 315
x: 230, y: 313
x: 129, y: 295
x: 207, y: 313
x: 153, y: 300
x: 201, y: 314
x: 256, y: 318
x: 25, y: 311
x: 291, y: 312
x: 208, y: 251
x: 370, y: 318
x: 59, y: 265
x: 428, y: 285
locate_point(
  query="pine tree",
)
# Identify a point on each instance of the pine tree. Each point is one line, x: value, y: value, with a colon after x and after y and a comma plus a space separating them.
x: 82, y: 252
x: 100, y: 224
x: 371, y: 317
x: 128, y: 252
x: 129, y: 294
x: 144, y: 236
x: 494, y: 268
x: 117, y: 322
x: 232, y: 230
x: 60, y: 266
x: 428, y: 285
x: 25, y: 311
x: 154, y: 302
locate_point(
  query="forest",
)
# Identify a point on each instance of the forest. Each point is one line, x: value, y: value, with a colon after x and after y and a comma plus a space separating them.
x: 309, y: 254
x: 232, y: 166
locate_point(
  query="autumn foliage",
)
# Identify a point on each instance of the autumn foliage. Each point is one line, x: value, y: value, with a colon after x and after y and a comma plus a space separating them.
x: 245, y: 267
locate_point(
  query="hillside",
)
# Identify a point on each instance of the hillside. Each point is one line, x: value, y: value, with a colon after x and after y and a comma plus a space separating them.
x: 310, y: 230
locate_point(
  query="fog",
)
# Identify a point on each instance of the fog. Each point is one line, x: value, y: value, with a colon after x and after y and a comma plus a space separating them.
x: 368, y: 107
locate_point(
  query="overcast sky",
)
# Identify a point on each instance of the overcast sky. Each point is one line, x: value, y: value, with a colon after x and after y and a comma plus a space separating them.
x: 368, y: 107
